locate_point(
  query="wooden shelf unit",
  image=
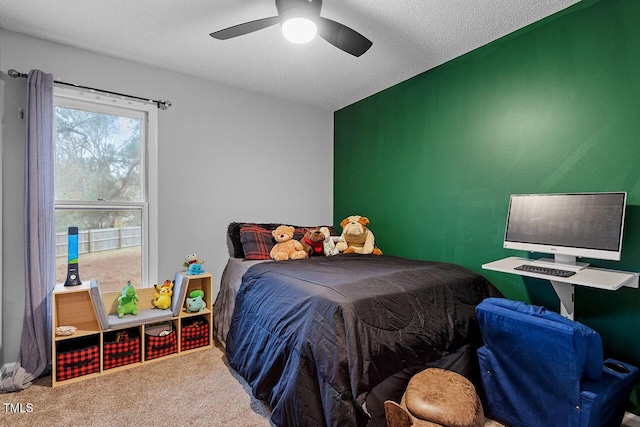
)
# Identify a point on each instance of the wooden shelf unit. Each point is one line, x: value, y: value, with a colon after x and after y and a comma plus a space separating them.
x: 73, y: 306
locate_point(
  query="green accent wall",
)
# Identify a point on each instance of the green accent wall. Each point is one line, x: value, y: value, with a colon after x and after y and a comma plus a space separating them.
x: 554, y: 107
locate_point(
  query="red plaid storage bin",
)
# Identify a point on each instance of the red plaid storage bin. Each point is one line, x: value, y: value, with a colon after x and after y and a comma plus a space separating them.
x: 122, y: 351
x: 194, y: 335
x: 161, y: 346
x: 77, y: 362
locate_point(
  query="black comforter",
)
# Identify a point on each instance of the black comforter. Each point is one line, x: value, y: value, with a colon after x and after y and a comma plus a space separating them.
x: 313, y: 336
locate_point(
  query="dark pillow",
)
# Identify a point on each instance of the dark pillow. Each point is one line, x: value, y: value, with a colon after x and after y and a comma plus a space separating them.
x: 256, y: 241
x: 233, y: 233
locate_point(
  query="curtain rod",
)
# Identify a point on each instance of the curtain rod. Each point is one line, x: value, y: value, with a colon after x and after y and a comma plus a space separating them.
x: 163, y: 105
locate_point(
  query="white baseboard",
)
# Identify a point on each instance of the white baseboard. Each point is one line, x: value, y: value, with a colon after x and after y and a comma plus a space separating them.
x: 6, y: 370
x: 630, y: 420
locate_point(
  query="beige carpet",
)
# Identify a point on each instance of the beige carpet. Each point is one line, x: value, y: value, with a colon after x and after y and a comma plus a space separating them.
x: 193, y: 389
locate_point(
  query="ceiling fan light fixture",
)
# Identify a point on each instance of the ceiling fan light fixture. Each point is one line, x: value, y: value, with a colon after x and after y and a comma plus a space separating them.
x: 300, y: 20
x: 299, y: 30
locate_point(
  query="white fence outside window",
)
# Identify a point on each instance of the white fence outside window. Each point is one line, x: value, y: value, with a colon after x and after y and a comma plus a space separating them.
x: 103, y: 239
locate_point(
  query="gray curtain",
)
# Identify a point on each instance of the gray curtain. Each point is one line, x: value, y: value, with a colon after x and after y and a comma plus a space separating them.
x: 35, y: 345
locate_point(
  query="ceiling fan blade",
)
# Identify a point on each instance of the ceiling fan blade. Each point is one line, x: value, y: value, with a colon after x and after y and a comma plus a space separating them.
x: 343, y: 37
x: 246, y: 28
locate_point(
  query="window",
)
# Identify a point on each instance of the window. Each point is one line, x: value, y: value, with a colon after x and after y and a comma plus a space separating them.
x: 106, y: 185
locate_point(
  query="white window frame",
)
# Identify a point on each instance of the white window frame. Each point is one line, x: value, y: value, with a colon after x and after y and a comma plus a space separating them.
x: 102, y: 103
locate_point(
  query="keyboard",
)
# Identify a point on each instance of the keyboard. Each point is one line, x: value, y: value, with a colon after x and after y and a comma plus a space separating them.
x: 545, y: 270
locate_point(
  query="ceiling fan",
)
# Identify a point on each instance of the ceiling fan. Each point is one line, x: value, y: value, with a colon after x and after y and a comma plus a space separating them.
x: 300, y: 21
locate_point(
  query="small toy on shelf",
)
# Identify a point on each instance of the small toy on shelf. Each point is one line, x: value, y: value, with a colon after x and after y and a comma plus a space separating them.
x: 122, y: 336
x: 163, y: 295
x: 128, y: 301
x: 193, y: 265
x: 64, y: 331
x: 194, y: 302
x: 195, y: 269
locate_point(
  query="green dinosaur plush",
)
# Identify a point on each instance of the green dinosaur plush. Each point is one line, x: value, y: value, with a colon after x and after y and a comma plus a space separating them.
x: 128, y: 301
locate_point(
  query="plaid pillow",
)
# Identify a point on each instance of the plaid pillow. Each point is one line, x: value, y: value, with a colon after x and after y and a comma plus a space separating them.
x: 256, y: 241
x: 233, y: 231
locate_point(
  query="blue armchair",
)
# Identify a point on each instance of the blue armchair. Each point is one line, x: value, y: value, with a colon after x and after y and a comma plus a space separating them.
x: 541, y: 369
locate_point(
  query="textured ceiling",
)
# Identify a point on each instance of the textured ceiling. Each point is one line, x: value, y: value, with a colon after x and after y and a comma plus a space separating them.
x: 409, y: 37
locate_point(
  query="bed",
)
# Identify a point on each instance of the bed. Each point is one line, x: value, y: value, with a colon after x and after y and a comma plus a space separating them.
x: 313, y: 337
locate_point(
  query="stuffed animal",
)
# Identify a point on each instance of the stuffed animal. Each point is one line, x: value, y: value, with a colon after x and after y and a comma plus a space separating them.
x: 285, y: 247
x: 128, y: 301
x: 195, y: 302
x: 357, y: 238
x: 312, y: 241
x: 195, y: 269
x: 163, y: 295
x: 191, y: 259
x: 329, y: 242
x: 193, y: 265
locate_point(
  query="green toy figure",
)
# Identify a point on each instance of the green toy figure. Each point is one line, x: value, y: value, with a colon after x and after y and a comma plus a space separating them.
x: 195, y: 302
x: 128, y: 301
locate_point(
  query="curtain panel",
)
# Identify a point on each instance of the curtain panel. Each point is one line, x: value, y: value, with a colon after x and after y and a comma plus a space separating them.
x: 35, y: 345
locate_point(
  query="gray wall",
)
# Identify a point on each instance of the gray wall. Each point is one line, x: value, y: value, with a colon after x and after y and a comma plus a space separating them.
x: 225, y: 155
x: 1, y: 181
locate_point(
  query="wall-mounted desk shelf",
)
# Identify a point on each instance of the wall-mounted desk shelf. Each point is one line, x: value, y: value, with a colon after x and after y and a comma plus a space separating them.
x: 599, y: 278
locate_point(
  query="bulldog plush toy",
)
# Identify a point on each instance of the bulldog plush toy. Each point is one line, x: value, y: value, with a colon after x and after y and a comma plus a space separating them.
x: 356, y: 237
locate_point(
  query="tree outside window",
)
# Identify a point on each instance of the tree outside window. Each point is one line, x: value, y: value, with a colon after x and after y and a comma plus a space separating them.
x: 101, y: 184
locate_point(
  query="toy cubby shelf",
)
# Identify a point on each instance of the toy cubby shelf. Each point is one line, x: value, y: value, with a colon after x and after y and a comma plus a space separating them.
x: 82, y: 355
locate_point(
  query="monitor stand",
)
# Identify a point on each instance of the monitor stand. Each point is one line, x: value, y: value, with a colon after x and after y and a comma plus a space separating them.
x: 561, y: 262
x: 565, y: 291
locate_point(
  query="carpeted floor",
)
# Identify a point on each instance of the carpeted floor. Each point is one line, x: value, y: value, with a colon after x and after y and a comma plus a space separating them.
x: 193, y: 389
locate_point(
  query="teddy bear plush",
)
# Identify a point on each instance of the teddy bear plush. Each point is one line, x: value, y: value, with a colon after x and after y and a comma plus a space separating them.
x: 356, y: 237
x: 285, y: 247
x: 312, y: 241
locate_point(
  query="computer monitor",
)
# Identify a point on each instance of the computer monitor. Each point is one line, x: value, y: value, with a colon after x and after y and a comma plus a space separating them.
x: 568, y: 226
